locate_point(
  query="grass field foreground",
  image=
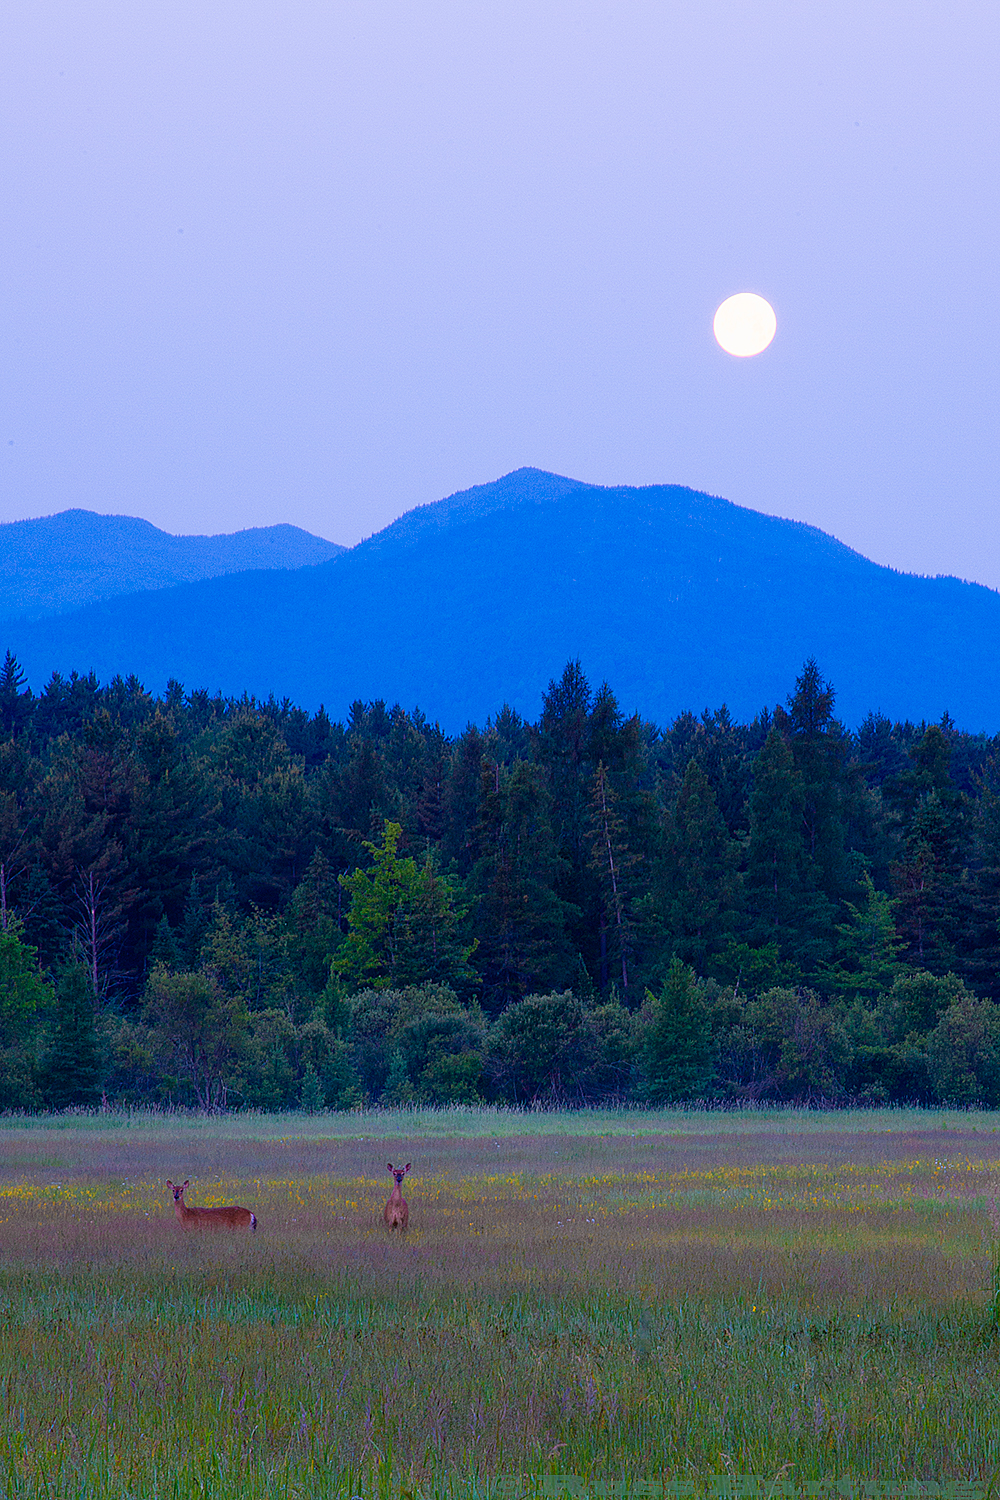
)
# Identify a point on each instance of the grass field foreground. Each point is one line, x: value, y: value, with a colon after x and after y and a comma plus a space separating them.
x: 617, y: 1305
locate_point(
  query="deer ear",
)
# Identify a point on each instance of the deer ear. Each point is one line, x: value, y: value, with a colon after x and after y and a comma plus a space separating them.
x: 407, y: 1167
x: 390, y: 1166
x: 186, y: 1183
x: 169, y: 1183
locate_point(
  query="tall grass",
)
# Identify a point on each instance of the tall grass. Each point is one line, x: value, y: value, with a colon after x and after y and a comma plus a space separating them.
x: 499, y: 1121
x: 656, y: 1306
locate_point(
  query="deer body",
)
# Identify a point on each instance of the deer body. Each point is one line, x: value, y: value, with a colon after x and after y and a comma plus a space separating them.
x: 210, y: 1218
x: 396, y: 1212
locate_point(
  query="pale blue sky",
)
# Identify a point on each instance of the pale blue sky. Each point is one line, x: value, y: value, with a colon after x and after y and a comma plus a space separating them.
x: 323, y: 262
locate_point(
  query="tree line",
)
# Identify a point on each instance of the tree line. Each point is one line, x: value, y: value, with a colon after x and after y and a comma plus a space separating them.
x: 222, y: 903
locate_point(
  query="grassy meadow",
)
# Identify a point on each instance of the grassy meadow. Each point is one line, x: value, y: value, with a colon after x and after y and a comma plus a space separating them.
x: 617, y: 1297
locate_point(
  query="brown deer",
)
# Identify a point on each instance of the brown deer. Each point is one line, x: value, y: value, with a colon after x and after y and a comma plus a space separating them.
x: 210, y: 1218
x: 396, y: 1212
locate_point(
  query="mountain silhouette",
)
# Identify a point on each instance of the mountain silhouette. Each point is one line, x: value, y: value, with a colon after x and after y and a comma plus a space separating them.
x: 58, y: 563
x: 678, y: 599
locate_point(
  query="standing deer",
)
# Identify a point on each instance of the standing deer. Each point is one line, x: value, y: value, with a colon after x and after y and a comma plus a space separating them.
x: 210, y: 1218
x: 396, y: 1212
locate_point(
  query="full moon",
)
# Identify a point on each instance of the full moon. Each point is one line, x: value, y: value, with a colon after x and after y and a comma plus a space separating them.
x: 744, y: 324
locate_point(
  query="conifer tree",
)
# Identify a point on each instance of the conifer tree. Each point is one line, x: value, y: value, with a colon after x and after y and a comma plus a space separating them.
x: 518, y: 917
x: 164, y: 953
x: 819, y: 750
x: 564, y: 739
x: 403, y: 923
x: 612, y: 861
x: 976, y: 904
x: 460, y: 799
x: 776, y: 854
x: 195, y: 923
x: 16, y: 700
x: 702, y: 890
x: 678, y: 1045
x: 867, y: 953
x: 784, y: 903
x: 934, y: 816
x: 311, y: 1100
x: 72, y: 1071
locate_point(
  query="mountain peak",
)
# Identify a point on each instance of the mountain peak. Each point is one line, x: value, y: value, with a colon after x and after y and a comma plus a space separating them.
x: 521, y: 487
x: 61, y: 562
x: 679, y: 600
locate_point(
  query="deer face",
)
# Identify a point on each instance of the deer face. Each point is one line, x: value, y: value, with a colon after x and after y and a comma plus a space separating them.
x: 178, y: 1192
x: 399, y: 1172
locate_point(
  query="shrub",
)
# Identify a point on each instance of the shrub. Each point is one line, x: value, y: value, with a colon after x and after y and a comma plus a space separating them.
x: 964, y: 1053
x: 542, y: 1048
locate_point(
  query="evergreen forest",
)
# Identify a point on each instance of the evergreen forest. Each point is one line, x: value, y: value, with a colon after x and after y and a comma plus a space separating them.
x: 220, y: 903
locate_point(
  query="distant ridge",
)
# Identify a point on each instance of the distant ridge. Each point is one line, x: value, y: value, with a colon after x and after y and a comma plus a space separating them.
x: 61, y: 562
x: 679, y: 600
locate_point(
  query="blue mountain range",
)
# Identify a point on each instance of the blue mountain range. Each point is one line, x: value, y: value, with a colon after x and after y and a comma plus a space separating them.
x: 61, y: 562
x: 678, y: 599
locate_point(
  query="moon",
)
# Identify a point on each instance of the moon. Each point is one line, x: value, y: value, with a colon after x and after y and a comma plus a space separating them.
x: 744, y: 324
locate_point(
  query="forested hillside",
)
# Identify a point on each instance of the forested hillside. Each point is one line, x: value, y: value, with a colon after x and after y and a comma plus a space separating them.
x: 680, y: 599
x: 58, y: 563
x: 222, y: 902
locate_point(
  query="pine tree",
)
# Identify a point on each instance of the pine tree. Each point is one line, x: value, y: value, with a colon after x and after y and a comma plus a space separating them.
x: 72, y: 1072
x: 16, y: 701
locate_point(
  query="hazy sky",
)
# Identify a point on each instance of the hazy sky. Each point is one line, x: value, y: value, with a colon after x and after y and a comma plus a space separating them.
x: 321, y: 262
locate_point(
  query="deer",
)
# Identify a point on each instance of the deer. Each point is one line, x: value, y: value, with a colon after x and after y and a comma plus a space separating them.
x: 396, y: 1212
x: 209, y: 1218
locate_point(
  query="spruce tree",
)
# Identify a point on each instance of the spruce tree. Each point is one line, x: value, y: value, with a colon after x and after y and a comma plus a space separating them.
x: 612, y: 863
x: 926, y: 879
x: 311, y: 1100
x: 867, y: 963
x: 678, y: 1048
x: 977, y: 931
x: 164, y: 952
x: 776, y: 856
x: 519, y: 918
x: 785, y: 905
x: 819, y: 750
x: 15, y: 697
x: 72, y: 1072
x: 703, y: 890
x: 195, y: 922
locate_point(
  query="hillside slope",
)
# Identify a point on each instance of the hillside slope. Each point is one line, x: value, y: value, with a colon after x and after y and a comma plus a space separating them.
x: 678, y: 599
x: 59, y: 563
